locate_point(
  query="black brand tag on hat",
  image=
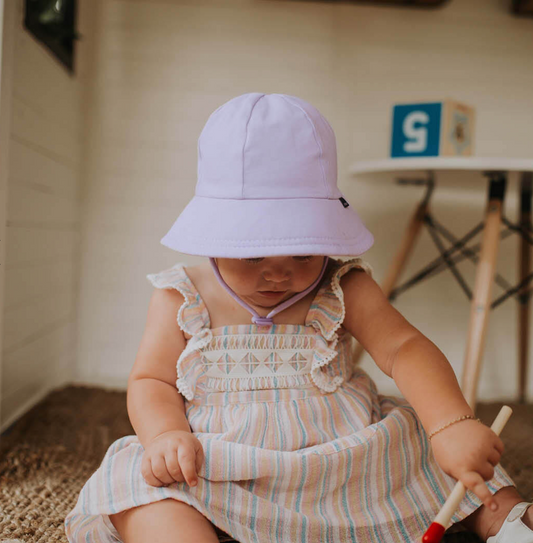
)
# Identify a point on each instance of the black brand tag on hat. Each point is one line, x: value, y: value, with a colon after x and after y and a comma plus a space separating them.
x: 344, y: 202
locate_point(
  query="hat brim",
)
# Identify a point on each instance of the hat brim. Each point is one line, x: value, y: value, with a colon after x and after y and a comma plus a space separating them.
x: 246, y: 228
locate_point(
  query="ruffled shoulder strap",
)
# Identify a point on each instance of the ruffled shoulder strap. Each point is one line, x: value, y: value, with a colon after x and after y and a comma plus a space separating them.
x: 327, y: 310
x: 193, y: 316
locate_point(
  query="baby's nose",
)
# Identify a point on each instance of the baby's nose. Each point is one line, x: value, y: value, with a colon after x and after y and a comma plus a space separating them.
x: 277, y: 274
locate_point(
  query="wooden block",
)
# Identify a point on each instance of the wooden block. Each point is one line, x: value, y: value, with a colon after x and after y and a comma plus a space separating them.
x: 458, y: 127
x: 444, y: 128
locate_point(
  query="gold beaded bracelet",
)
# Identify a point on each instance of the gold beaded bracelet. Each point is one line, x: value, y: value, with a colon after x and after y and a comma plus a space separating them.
x: 464, y: 417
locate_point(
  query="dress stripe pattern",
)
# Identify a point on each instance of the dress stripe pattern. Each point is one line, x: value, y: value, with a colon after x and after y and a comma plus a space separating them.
x: 326, y: 458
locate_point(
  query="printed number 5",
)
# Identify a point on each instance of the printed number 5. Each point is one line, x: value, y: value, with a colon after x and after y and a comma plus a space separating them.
x: 418, y: 134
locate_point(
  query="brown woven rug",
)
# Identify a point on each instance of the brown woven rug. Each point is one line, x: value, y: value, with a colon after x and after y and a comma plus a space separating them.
x: 47, y: 456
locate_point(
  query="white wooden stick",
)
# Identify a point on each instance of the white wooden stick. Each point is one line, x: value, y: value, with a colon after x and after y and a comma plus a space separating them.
x: 459, y: 491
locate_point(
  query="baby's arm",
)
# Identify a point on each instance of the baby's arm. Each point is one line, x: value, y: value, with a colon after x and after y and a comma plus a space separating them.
x: 154, y: 403
x: 468, y: 451
x: 418, y: 367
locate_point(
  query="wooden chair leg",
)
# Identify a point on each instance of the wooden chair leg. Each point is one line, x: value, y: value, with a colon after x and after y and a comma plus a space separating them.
x: 400, y: 260
x: 524, y: 267
x: 481, y: 301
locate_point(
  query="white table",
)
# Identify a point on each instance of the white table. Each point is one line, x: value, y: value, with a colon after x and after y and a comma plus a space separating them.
x: 496, y: 170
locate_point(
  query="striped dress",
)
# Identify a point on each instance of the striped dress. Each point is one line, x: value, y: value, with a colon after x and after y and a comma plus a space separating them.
x: 299, y: 445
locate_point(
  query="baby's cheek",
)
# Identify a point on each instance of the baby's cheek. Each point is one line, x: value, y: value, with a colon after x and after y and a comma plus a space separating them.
x: 303, y: 282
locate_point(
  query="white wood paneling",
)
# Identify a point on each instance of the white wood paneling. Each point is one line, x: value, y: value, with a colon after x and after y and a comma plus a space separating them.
x: 163, y: 66
x: 41, y: 266
x: 101, y: 164
x: 7, y: 39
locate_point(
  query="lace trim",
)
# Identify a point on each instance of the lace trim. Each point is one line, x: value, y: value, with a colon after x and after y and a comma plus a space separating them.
x: 336, y: 287
x: 196, y: 343
x: 322, y: 380
x: 327, y: 312
x: 327, y: 320
x: 192, y: 318
x: 165, y: 278
x: 197, y: 314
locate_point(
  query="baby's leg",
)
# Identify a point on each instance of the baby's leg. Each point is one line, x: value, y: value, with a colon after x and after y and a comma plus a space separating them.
x: 486, y: 523
x: 165, y: 521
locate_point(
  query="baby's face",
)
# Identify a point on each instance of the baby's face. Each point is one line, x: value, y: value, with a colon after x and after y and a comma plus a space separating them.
x: 266, y: 282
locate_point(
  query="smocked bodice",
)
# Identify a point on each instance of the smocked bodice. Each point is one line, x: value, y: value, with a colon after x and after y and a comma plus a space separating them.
x: 255, y: 357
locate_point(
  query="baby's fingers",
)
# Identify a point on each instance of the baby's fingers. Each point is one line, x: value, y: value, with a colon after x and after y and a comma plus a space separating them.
x: 474, y: 482
x: 173, y: 467
x: 159, y: 469
x: 147, y: 473
x: 187, y: 460
x: 500, y: 447
x: 200, y: 457
x: 494, y: 457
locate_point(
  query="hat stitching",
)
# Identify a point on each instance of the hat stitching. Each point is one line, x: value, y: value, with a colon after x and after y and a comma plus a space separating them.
x: 260, y: 243
x: 317, y: 142
x: 245, y: 140
x: 276, y: 238
x: 200, y: 137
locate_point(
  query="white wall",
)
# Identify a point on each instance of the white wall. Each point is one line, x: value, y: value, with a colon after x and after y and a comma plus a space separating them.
x: 44, y: 177
x: 164, y: 66
x: 7, y: 17
x: 476, y: 52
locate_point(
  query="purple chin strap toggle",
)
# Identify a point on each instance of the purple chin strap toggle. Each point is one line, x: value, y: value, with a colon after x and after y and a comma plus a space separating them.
x: 256, y: 318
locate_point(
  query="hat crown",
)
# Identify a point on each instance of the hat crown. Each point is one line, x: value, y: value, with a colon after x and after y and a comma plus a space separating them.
x: 267, y: 146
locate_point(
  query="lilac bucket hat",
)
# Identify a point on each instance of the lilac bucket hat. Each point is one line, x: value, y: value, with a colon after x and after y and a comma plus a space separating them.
x: 267, y: 185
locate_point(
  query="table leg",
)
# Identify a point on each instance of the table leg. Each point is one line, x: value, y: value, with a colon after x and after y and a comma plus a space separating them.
x: 406, y: 246
x: 400, y: 260
x: 481, y: 300
x: 525, y: 267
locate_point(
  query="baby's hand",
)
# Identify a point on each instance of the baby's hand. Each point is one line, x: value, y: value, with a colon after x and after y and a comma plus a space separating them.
x: 468, y: 451
x: 173, y: 456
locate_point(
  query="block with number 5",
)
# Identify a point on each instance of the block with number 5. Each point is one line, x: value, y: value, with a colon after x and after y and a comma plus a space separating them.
x: 443, y: 128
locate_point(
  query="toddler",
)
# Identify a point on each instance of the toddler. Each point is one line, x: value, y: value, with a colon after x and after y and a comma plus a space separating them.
x: 249, y: 412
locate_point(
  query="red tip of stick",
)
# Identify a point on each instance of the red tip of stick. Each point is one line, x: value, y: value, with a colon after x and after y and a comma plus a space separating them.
x: 434, y: 533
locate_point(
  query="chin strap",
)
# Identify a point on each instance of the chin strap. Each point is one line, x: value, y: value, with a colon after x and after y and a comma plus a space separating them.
x: 256, y: 318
